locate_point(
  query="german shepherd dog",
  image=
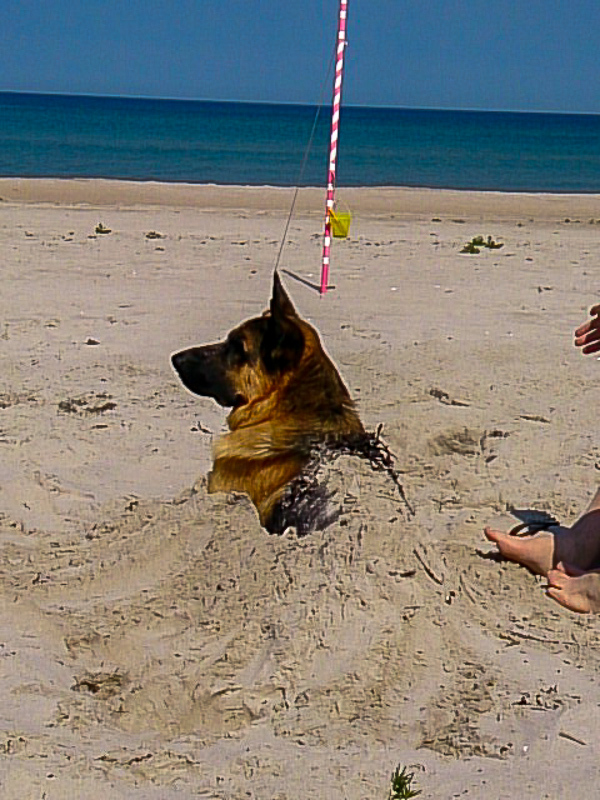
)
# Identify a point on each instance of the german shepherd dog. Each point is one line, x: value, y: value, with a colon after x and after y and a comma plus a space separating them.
x: 286, y: 397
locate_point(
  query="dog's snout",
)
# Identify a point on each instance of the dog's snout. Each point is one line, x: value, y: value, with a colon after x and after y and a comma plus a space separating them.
x: 189, y: 362
x: 201, y: 370
x: 177, y: 360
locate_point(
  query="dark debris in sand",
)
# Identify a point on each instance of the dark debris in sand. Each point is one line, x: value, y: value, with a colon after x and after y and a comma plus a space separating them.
x: 307, y: 504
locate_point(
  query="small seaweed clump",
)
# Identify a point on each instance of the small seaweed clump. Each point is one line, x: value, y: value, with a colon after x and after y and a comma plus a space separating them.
x: 401, y: 788
x: 475, y: 245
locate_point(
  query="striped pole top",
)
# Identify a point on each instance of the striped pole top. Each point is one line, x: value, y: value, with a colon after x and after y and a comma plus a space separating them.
x: 333, y: 146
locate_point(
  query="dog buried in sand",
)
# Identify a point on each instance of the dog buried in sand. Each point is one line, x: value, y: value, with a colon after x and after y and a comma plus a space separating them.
x: 287, y: 398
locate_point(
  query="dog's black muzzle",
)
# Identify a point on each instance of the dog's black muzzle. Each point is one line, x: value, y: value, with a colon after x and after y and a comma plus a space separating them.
x: 202, y: 371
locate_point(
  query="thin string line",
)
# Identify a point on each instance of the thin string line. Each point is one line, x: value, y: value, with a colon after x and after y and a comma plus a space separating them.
x: 304, y: 161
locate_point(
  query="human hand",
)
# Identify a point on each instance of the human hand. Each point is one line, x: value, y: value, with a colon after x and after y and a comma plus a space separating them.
x: 587, y: 336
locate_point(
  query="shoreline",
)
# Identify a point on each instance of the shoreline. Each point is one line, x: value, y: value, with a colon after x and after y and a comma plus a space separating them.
x: 370, y: 201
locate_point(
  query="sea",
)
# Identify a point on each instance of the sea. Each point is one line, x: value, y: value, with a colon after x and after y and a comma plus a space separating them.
x: 66, y: 136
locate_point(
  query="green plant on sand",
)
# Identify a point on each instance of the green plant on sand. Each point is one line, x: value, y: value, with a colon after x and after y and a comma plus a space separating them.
x: 401, y: 785
x: 471, y: 248
x: 477, y: 242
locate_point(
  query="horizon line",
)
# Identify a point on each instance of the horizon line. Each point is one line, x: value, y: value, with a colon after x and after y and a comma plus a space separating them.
x: 469, y: 109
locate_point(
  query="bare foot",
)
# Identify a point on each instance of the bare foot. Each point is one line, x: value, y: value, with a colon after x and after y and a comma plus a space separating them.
x: 579, y: 592
x: 535, y: 552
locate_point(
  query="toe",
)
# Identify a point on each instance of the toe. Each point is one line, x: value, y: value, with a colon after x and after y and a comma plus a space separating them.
x: 497, y: 537
x: 557, y: 578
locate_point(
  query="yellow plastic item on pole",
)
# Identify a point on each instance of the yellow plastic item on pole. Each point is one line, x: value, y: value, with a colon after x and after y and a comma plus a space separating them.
x: 340, y: 223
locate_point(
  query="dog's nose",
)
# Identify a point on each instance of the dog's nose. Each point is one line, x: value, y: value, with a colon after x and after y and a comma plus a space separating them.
x: 177, y: 360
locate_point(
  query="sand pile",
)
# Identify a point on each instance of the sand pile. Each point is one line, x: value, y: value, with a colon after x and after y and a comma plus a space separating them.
x: 155, y: 642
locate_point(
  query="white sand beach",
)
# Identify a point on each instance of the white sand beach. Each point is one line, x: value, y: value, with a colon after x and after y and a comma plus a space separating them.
x: 155, y: 642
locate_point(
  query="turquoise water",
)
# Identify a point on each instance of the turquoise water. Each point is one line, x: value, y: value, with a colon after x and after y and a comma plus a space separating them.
x: 263, y: 144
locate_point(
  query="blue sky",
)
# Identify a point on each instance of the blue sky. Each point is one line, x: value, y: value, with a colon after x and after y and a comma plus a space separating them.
x: 491, y: 54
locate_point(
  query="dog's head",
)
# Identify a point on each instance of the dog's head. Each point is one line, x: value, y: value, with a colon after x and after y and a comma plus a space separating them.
x: 251, y: 360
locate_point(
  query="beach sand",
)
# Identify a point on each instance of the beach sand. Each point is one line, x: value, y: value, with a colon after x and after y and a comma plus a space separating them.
x: 155, y: 642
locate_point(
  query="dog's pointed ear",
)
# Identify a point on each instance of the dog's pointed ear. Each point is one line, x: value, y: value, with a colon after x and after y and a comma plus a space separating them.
x: 283, y: 343
x: 281, y: 305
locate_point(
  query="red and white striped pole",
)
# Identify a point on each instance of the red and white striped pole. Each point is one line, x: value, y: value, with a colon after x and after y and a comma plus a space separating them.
x: 335, y: 125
